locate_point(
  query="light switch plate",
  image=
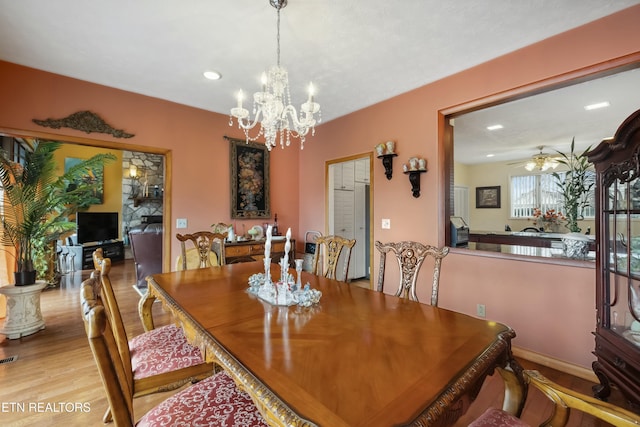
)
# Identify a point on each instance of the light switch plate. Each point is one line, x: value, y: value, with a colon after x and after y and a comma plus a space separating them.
x: 386, y: 223
x: 181, y: 223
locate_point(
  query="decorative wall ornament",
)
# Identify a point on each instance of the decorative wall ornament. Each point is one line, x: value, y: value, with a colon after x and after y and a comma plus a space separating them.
x: 85, y: 121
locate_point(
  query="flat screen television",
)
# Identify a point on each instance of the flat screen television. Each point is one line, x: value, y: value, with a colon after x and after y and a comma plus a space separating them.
x: 96, y: 226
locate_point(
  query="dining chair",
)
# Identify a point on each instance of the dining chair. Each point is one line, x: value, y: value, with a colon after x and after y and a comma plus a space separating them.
x: 214, y: 401
x: 410, y: 256
x: 207, y: 250
x: 327, y: 256
x: 563, y: 400
x: 157, y: 360
x: 220, y: 227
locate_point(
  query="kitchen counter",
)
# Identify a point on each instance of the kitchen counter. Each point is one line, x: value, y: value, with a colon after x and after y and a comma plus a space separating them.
x: 527, y: 244
x: 522, y: 238
x: 536, y: 251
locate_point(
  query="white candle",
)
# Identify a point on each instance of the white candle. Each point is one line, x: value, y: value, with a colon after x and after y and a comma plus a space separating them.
x: 240, y: 96
x: 263, y: 80
x: 287, y: 247
x: 311, y: 92
x: 267, y: 244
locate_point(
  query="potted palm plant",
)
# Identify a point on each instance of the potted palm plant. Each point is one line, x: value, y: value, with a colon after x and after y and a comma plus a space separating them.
x: 575, y: 186
x: 38, y: 202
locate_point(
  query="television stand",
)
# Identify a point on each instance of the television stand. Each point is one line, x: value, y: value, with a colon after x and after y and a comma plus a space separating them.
x: 83, y: 254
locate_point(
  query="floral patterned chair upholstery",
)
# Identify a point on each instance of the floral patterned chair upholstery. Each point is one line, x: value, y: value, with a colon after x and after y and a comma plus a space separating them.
x: 563, y: 401
x: 214, y: 401
x: 155, y: 361
x: 410, y: 256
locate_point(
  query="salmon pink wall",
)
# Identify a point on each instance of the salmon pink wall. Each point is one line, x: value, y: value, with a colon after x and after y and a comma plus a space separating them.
x: 194, y: 138
x: 551, y: 307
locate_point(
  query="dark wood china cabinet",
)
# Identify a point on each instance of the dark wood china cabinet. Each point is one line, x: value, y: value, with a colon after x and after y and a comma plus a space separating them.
x: 617, y: 336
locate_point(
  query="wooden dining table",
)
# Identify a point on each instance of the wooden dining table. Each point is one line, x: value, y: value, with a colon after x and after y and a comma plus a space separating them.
x: 357, y: 358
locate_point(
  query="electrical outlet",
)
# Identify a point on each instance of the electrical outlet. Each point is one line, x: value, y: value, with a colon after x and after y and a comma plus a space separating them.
x: 181, y: 223
x: 481, y: 310
x: 386, y: 223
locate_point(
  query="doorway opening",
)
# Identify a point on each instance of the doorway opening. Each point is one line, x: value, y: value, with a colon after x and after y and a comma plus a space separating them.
x: 349, y: 208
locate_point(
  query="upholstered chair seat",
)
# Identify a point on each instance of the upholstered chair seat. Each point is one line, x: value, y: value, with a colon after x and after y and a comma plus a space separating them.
x: 215, y: 401
x: 161, y: 350
x: 494, y: 417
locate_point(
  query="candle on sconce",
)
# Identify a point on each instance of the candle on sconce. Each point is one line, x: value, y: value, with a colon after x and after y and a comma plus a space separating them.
x: 267, y: 243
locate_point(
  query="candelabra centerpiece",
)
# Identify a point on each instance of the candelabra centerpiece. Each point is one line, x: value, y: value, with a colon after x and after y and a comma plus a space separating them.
x: 285, y: 291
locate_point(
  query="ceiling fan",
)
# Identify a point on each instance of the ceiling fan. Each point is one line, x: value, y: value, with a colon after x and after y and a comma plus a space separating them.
x: 541, y: 161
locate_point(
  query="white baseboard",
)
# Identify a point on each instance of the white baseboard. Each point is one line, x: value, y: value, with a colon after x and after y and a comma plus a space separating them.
x: 557, y: 364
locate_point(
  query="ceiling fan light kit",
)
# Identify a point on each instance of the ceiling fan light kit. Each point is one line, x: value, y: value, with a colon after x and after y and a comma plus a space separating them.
x: 541, y: 162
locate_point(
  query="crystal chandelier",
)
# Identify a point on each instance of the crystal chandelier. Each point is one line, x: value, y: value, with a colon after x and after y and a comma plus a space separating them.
x: 272, y: 106
x: 541, y: 162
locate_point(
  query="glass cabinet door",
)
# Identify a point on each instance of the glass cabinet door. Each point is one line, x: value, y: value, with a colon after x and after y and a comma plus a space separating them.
x: 622, y: 293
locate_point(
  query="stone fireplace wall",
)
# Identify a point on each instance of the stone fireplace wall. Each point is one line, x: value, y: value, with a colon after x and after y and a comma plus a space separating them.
x: 136, y: 203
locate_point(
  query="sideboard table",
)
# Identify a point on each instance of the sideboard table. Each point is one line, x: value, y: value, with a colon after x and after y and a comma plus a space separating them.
x: 23, y: 310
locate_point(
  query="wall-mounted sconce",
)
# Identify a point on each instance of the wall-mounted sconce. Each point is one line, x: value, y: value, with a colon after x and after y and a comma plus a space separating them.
x: 415, y: 167
x: 386, y: 152
x: 133, y: 171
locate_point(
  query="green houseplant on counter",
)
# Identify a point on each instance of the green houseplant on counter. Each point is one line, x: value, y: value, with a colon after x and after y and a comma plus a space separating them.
x: 38, y: 202
x: 575, y: 186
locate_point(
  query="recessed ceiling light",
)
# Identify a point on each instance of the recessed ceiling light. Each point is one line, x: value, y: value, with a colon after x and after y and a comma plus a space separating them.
x: 596, y: 105
x: 494, y: 127
x: 212, y: 75
x: 490, y: 155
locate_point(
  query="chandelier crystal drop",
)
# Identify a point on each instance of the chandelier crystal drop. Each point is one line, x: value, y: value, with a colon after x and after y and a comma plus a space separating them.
x: 272, y: 109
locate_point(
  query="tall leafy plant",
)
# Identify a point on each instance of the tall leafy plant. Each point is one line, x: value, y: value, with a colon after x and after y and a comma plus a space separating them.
x: 39, y: 200
x: 575, y: 185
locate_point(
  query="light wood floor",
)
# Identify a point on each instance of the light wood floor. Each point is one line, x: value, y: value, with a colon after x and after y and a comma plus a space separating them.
x: 54, y: 381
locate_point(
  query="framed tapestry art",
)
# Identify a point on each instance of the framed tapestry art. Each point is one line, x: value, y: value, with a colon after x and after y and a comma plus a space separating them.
x: 249, y: 180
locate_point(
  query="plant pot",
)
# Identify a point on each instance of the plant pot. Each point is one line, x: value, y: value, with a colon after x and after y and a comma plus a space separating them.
x: 23, y: 278
x: 575, y: 245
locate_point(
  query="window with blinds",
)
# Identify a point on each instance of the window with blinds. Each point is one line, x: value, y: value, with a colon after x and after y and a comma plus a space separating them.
x: 540, y: 191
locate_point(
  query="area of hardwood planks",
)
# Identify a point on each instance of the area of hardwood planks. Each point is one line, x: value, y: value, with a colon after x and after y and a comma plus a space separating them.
x: 55, y: 382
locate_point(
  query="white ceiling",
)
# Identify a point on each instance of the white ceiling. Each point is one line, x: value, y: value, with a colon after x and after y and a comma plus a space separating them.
x: 551, y: 120
x: 356, y: 52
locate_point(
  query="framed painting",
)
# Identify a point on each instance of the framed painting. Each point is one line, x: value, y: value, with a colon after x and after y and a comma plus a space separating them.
x: 488, y: 197
x: 249, y: 180
x: 94, y: 177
